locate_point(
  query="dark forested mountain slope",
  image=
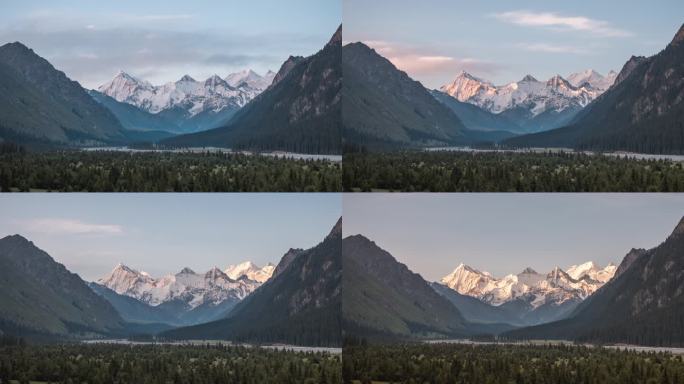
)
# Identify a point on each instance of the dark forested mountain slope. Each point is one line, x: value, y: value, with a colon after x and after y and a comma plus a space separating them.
x: 300, y: 304
x: 383, y: 107
x: 642, y: 112
x: 383, y: 298
x: 40, y: 296
x: 38, y: 103
x: 642, y: 304
x: 299, y: 112
x: 133, y: 118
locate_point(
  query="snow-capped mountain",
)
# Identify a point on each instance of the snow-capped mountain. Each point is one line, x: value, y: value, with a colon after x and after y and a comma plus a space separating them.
x: 187, y: 98
x: 250, y: 271
x: 593, y: 271
x: 594, y: 79
x: 252, y: 79
x: 552, y: 102
x: 556, y: 93
x: 537, y: 289
x: 187, y: 286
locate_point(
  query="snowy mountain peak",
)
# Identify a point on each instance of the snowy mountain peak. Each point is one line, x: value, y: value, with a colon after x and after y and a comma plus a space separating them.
x: 250, y: 270
x: 122, y: 268
x: 592, y: 79
x: 214, y: 274
x: 213, y: 95
x: 186, y: 78
x: 558, y: 81
x: 592, y: 271
x: 212, y: 287
x: 249, y: 78
x: 187, y: 271
x: 556, y: 94
x: 537, y: 289
x: 466, y: 86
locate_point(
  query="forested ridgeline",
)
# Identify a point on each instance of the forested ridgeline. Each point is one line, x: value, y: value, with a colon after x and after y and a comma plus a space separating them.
x: 449, y: 171
x: 101, y: 171
x: 107, y: 363
x: 472, y: 364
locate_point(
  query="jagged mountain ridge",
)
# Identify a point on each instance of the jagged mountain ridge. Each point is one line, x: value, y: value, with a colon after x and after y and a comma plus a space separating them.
x: 532, y: 104
x: 190, y: 104
x: 181, y: 299
x: 643, y: 304
x: 214, y: 286
x: 523, y: 299
x: 555, y: 287
x: 642, y: 112
x: 300, y: 304
x: 300, y: 112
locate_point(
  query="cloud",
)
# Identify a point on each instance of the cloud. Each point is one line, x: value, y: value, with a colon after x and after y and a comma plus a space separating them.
x: 551, y: 48
x: 422, y: 62
x: 556, y: 21
x: 91, y: 47
x: 93, y: 56
x: 56, y: 226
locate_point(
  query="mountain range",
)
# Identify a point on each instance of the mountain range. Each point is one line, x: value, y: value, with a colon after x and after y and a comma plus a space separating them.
x: 638, y: 302
x: 639, y: 109
x: 300, y: 304
x: 643, y: 304
x: 296, y: 109
x: 384, y: 109
x: 187, y: 104
x: 642, y: 112
x: 384, y: 300
x: 297, y: 301
x: 531, y: 104
x: 183, y: 298
x: 526, y: 298
x: 299, y: 112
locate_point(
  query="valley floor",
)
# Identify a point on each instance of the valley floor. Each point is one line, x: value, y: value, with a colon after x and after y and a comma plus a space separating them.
x: 124, y: 171
x: 219, y: 363
x: 481, y: 363
x: 510, y: 171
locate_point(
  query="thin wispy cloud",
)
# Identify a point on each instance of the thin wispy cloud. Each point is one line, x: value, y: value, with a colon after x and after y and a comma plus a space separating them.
x: 92, y: 43
x: 417, y: 61
x: 60, y: 226
x: 552, y: 48
x: 559, y: 22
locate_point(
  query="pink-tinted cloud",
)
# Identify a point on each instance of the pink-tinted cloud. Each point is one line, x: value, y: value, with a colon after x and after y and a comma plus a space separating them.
x: 421, y: 62
x: 554, y: 20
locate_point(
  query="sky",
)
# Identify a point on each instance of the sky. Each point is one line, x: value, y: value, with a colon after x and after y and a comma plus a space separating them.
x: 162, y: 40
x: 505, y: 233
x: 502, y: 41
x: 162, y: 233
